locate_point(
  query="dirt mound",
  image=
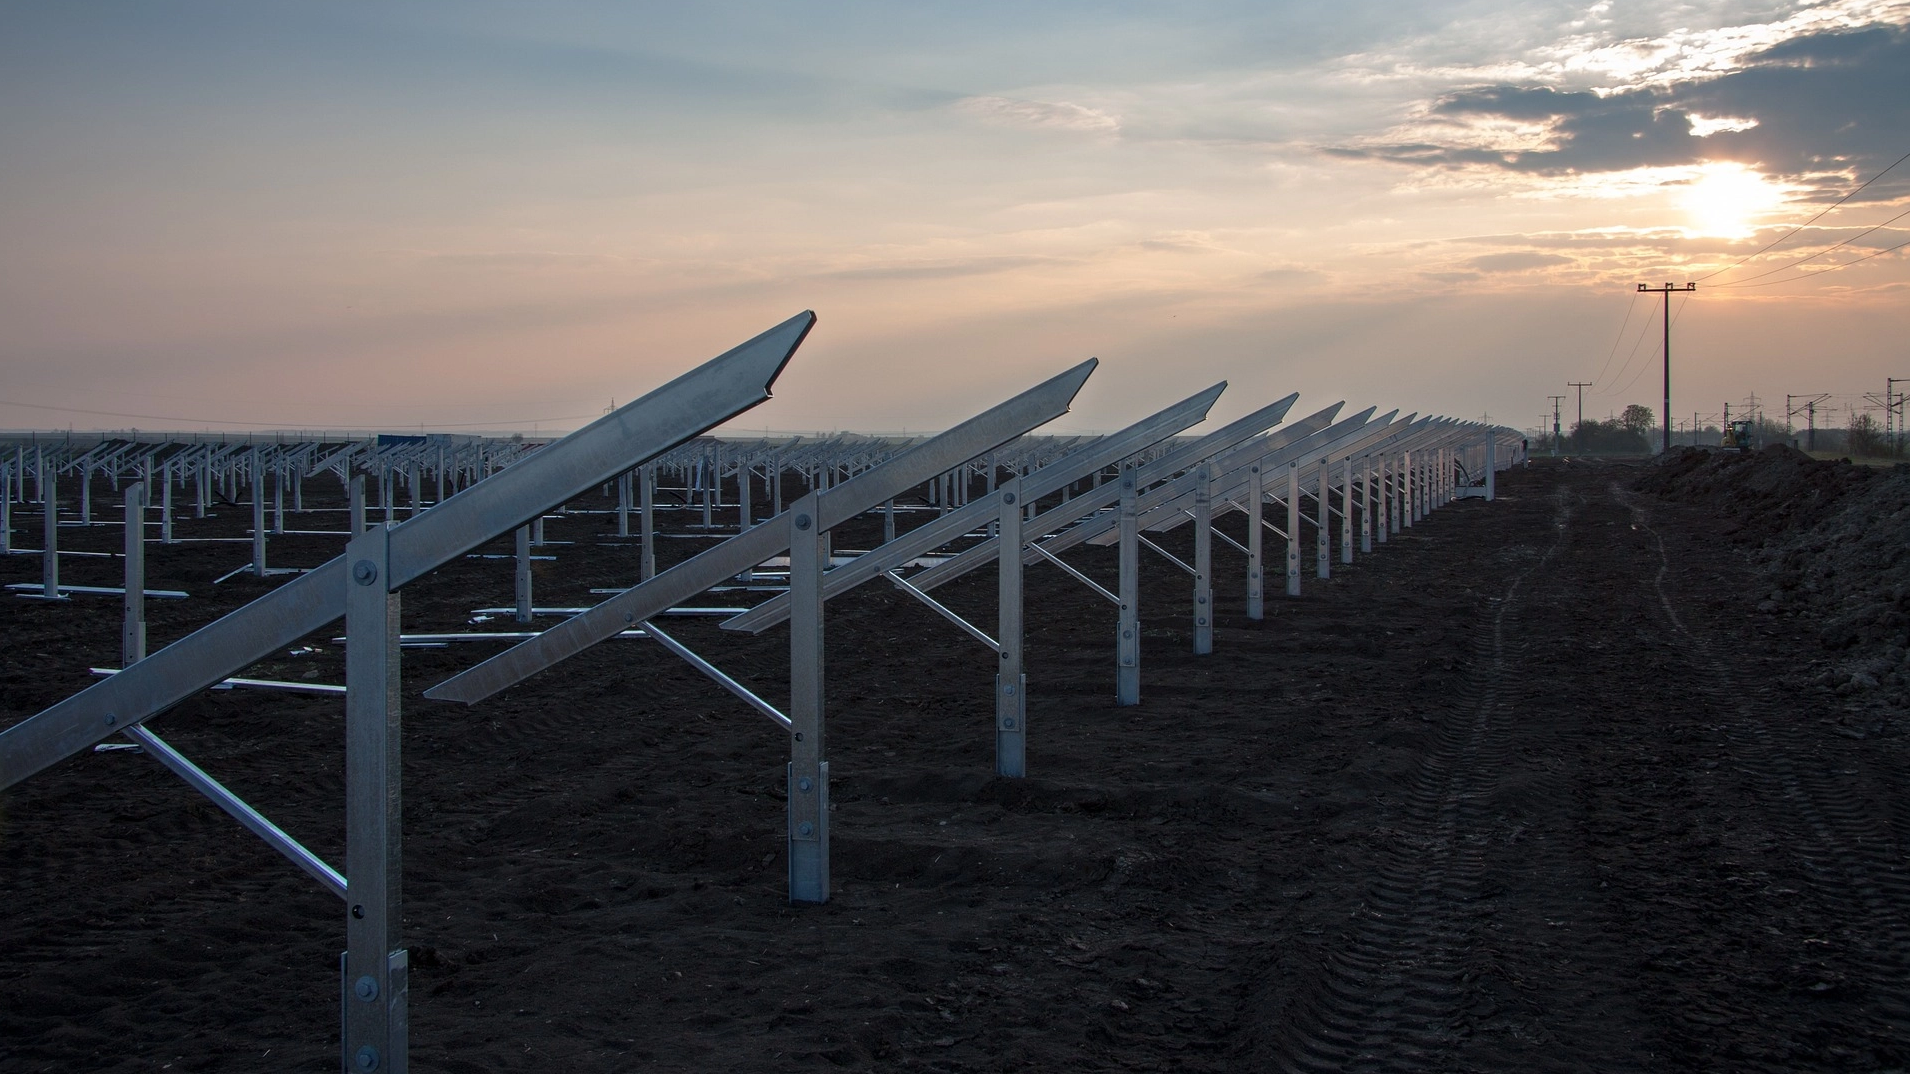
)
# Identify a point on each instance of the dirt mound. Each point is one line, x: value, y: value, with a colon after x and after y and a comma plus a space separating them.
x: 1829, y: 537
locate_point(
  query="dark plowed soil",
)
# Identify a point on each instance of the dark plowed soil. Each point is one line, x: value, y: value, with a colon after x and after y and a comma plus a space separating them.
x: 1534, y: 786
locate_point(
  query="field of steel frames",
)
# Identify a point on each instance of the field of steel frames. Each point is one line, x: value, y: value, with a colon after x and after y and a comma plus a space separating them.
x: 1327, y: 738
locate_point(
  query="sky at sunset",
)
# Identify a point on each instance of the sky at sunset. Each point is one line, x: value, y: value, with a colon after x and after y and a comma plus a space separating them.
x: 465, y: 216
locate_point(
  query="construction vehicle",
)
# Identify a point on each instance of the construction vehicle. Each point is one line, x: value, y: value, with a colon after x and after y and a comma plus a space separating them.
x: 1738, y: 436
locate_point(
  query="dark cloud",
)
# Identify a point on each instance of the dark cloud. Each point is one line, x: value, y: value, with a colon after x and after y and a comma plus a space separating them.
x: 1823, y: 102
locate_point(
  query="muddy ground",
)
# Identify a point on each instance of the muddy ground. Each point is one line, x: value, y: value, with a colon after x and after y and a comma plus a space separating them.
x: 1535, y: 786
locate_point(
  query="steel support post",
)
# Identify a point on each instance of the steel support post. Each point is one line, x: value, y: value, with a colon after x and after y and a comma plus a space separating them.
x: 809, y: 766
x: 166, y: 506
x: 356, y: 494
x: 1366, y: 505
x: 1256, y: 495
x: 889, y: 520
x: 258, y: 516
x: 50, y: 543
x: 1490, y: 470
x: 647, y: 518
x: 6, y: 510
x: 1293, y: 529
x: 1347, y: 510
x: 278, y: 496
x: 1011, y: 685
x: 373, y: 984
x: 132, y: 638
x: 1128, y: 627
x: 743, y: 497
x: 1409, y: 488
x: 1203, y: 559
x: 86, y: 495
x: 1390, y: 495
x: 524, y: 574
x: 1323, y: 522
x: 623, y: 505
x: 202, y: 488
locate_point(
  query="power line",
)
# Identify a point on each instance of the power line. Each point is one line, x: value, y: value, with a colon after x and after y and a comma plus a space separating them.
x: 1648, y: 365
x: 1651, y: 318
x: 1810, y: 222
x: 1822, y: 271
x: 1617, y: 338
x: 1747, y: 280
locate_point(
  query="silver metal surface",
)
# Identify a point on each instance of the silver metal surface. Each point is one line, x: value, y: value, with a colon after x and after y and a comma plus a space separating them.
x: 255, y: 822
x: 1011, y: 685
x: 1257, y: 497
x: 132, y: 647
x: 1077, y: 575
x: 943, y: 610
x: 1204, y: 560
x: 706, y: 396
x: 373, y: 802
x: 1128, y: 622
x: 521, y: 579
x: 808, y: 768
x: 1048, y: 479
x: 920, y: 463
x: 716, y: 674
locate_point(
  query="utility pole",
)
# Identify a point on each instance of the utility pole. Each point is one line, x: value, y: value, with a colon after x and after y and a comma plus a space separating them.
x: 1666, y: 318
x: 1810, y: 407
x: 1894, y: 403
x: 1582, y: 385
x: 1557, y: 399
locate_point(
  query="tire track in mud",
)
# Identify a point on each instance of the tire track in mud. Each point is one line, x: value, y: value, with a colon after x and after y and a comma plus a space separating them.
x: 1849, y: 854
x: 1392, y: 995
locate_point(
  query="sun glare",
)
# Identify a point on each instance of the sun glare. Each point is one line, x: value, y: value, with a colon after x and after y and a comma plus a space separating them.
x: 1725, y: 200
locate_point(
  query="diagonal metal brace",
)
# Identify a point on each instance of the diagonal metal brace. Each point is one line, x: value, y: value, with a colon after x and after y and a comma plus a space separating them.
x: 1079, y: 576
x: 943, y: 610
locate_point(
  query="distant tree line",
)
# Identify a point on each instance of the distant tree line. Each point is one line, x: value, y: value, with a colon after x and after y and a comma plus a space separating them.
x: 1623, y: 435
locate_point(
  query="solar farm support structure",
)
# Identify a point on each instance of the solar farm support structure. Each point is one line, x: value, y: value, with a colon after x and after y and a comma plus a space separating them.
x: 952, y: 488
x: 803, y: 531
x: 1006, y: 507
x: 362, y: 585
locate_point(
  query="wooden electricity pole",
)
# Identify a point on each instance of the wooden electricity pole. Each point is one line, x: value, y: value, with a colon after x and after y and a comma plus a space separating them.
x: 1665, y: 416
x: 1582, y: 385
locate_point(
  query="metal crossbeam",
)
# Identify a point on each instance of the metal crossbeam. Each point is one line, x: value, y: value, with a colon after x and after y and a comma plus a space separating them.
x: 937, y: 455
x: 1057, y: 475
x: 706, y: 396
x: 1090, y: 505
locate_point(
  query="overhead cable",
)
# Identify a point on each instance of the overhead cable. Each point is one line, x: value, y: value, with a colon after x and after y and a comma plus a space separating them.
x: 1643, y: 366
x: 1807, y: 223
x: 1831, y: 268
x: 1620, y: 335
x: 1747, y: 281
